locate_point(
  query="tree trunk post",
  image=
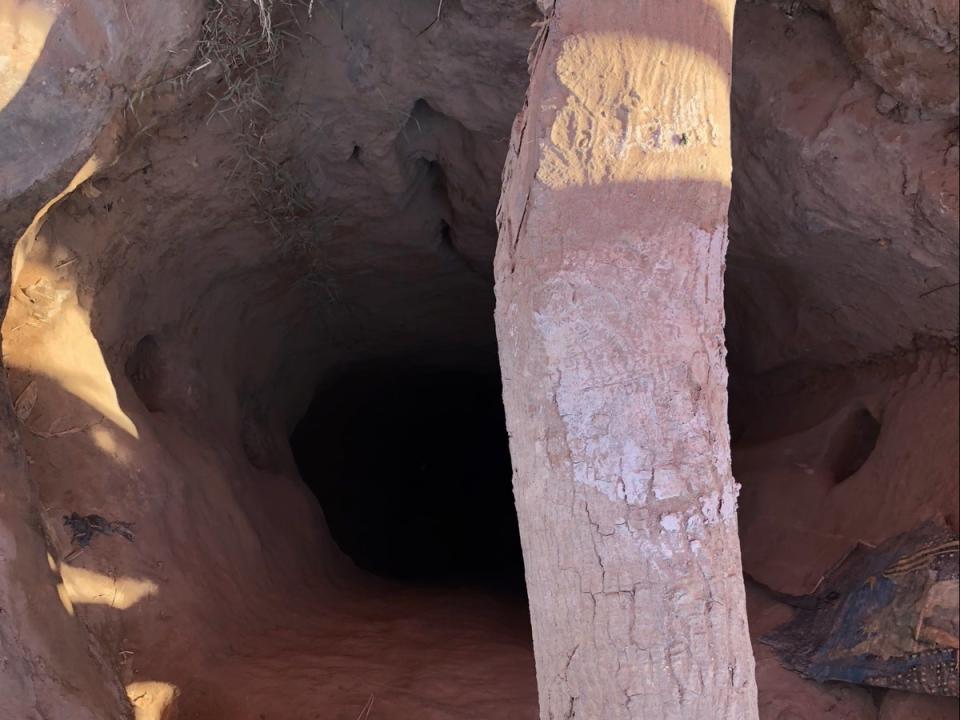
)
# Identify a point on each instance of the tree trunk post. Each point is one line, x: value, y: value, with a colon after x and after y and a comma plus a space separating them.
x: 609, y: 317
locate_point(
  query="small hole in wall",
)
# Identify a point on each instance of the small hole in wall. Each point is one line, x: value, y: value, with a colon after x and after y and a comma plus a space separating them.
x: 852, y: 444
x: 144, y: 370
x: 446, y: 234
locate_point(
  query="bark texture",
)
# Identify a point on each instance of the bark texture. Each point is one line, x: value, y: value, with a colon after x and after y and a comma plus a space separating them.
x: 610, y: 321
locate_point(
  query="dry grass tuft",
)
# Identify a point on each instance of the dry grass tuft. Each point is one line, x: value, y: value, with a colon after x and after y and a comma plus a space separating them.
x: 366, y: 709
x: 240, y: 45
x: 283, y: 204
x: 282, y: 199
x: 241, y: 41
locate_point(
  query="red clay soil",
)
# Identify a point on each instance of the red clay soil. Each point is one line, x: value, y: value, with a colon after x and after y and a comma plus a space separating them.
x: 194, y: 275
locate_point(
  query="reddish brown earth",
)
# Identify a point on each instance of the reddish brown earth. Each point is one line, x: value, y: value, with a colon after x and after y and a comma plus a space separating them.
x: 172, y: 306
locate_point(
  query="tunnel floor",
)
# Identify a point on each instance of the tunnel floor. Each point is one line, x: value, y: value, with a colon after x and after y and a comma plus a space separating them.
x: 412, y: 471
x: 410, y: 465
x: 374, y: 651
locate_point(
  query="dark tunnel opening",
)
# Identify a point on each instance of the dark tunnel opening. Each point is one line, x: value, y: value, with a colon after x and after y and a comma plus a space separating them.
x: 412, y: 469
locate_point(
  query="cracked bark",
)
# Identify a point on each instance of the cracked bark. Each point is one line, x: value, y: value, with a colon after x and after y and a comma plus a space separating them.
x: 610, y: 322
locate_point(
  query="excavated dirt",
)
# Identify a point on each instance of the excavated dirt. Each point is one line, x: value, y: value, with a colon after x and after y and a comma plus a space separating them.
x: 196, y: 278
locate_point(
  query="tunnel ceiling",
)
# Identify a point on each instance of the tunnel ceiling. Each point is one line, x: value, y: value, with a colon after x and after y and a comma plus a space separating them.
x: 396, y: 130
x: 343, y: 209
x: 366, y: 174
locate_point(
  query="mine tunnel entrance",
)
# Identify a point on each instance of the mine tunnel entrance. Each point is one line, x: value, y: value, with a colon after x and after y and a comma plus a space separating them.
x: 411, y: 466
